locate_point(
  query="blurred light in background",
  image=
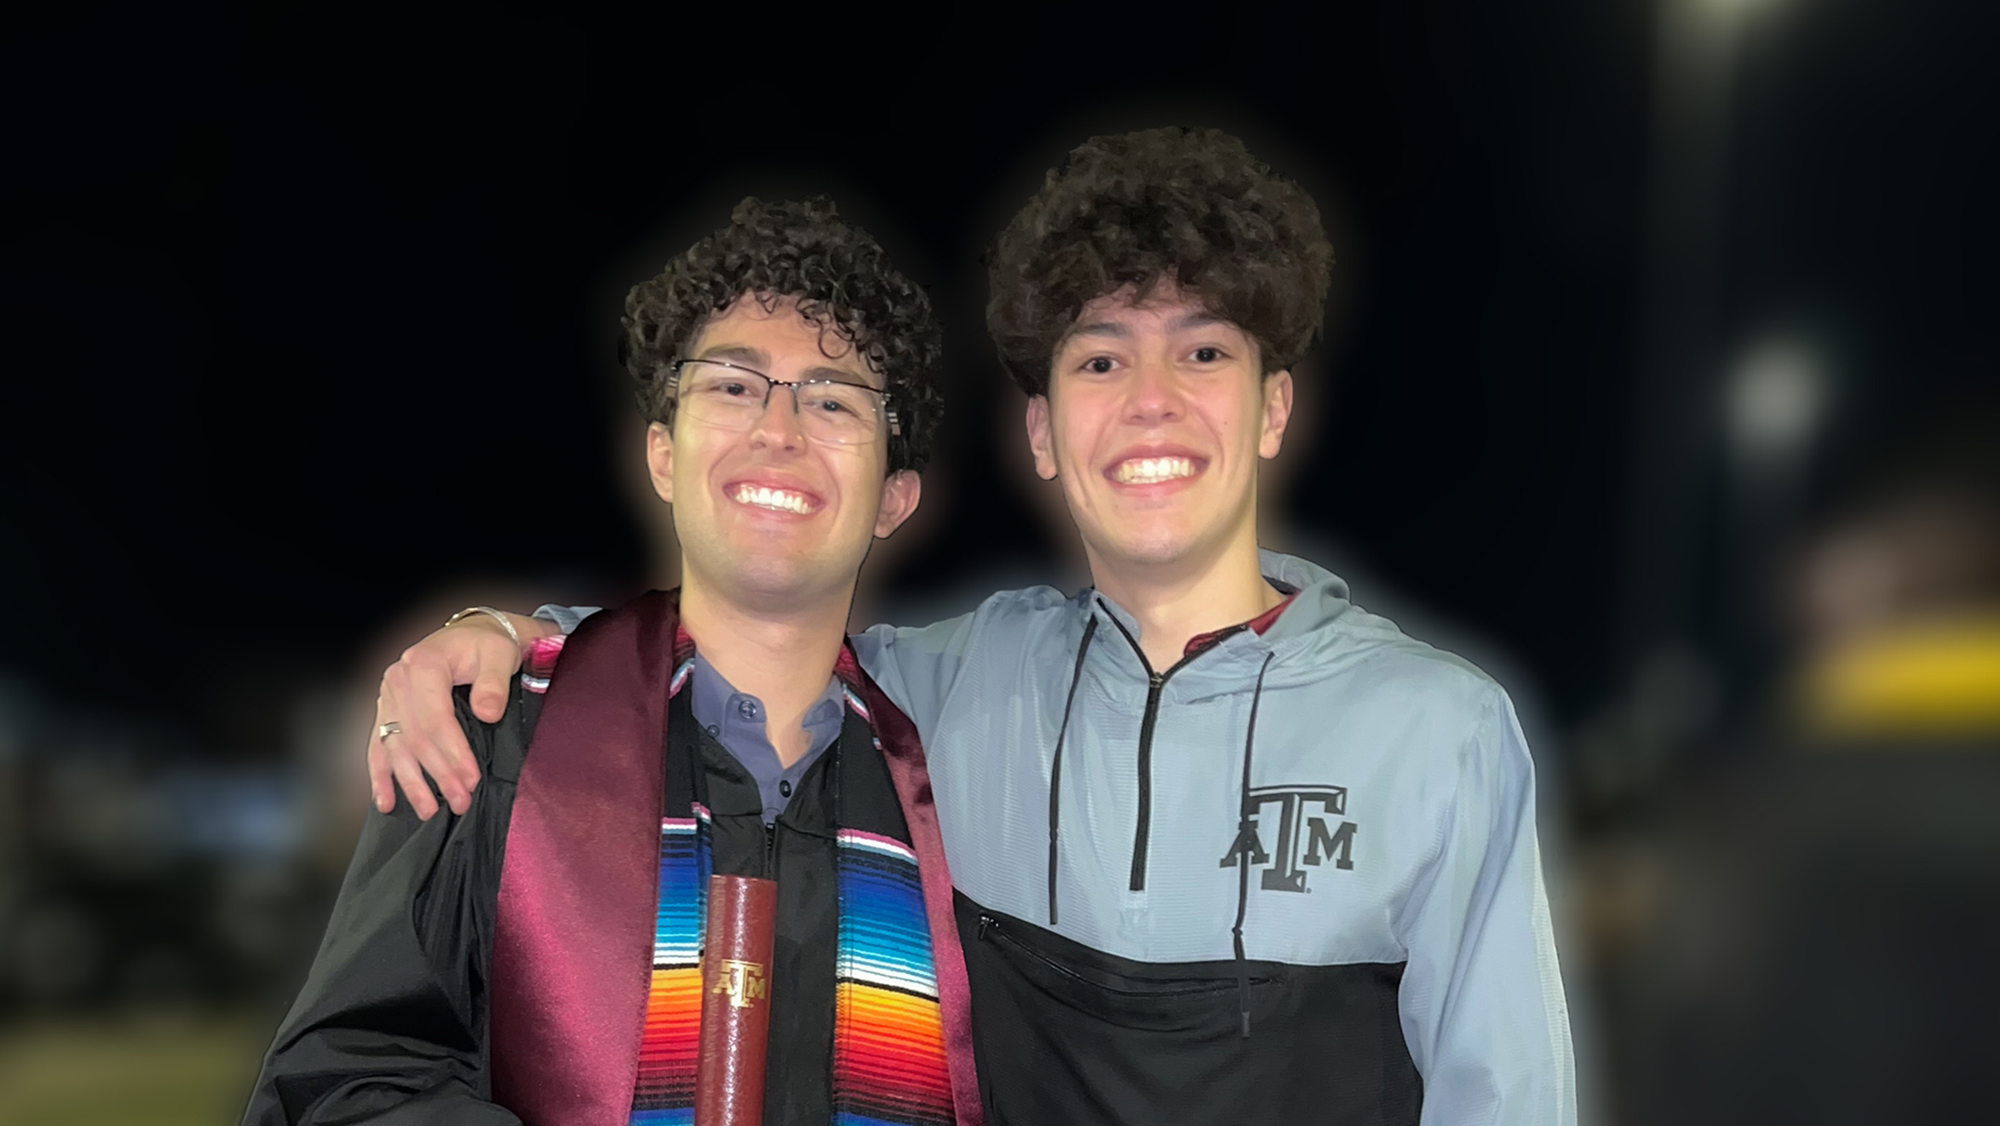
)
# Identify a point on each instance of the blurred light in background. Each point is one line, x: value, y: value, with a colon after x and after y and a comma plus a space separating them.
x: 1728, y: 16
x: 1777, y: 396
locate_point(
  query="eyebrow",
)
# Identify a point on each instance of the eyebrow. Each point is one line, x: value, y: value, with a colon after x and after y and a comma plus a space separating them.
x: 1102, y: 328
x: 756, y: 358
x: 841, y: 375
x: 740, y: 353
x: 1199, y: 320
x: 1182, y: 323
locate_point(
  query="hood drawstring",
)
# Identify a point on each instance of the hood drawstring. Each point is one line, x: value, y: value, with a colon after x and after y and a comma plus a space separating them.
x: 1243, y: 850
x: 1055, y: 768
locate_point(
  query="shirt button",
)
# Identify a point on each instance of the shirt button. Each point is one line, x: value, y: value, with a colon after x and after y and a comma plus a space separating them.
x: 785, y: 789
x: 714, y: 730
x: 747, y: 709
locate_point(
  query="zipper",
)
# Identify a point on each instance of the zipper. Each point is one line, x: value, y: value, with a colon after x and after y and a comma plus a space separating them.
x: 991, y: 930
x: 1155, y: 681
x: 1142, y: 834
x: 770, y: 852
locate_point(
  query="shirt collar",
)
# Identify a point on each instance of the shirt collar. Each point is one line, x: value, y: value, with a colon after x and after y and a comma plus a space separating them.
x: 1201, y: 641
x: 1258, y: 625
x: 713, y: 695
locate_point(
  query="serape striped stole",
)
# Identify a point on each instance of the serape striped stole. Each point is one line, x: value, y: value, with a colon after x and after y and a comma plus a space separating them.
x: 889, y: 1064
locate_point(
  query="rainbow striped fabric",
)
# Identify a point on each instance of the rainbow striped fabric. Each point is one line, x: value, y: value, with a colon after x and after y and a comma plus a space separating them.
x: 664, y: 1092
x: 888, y: 1039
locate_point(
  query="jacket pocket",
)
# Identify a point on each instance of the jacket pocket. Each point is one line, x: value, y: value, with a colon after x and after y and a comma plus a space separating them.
x: 1066, y: 1033
x: 1171, y: 1001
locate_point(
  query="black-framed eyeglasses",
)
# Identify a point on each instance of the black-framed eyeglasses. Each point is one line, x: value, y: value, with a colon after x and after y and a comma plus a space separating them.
x: 729, y: 396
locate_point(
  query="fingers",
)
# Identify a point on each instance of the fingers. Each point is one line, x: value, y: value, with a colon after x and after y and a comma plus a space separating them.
x: 411, y: 778
x: 438, y: 744
x: 391, y: 756
x: 444, y: 754
x: 379, y: 789
x: 416, y: 696
x: 418, y: 687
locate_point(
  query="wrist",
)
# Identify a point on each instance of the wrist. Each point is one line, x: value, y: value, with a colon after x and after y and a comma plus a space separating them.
x: 519, y: 629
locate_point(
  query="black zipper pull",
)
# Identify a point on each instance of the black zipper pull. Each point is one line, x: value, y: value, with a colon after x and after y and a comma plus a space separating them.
x: 985, y: 921
x: 770, y: 850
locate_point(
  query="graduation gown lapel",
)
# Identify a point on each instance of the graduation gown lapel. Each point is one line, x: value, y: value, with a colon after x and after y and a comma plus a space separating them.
x: 572, y: 944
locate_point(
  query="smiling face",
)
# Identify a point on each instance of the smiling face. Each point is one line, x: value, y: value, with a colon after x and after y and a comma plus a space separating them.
x: 767, y: 513
x: 1156, y: 417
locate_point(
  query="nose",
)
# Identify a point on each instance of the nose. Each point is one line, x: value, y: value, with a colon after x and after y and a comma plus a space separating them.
x: 778, y: 425
x: 1155, y: 396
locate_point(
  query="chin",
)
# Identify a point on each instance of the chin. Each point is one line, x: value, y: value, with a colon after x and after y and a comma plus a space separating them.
x: 1154, y: 550
x: 753, y: 575
x: 775, y: 578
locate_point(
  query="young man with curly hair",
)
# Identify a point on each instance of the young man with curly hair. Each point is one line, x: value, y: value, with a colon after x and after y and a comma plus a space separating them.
x: 535, y: 957
x: 1226, y: 847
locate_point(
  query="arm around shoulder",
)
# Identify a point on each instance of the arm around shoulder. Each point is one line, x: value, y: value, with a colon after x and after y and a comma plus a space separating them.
x: 916, y: 666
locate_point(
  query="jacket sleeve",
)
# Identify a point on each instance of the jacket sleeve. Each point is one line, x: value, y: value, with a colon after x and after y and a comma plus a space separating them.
x: 390, y: 1026
x: 1482, y: 1000
x: 566, y: 618
x: 916, y: 666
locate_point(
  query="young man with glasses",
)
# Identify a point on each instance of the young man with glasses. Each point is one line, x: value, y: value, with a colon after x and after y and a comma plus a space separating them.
x: 536, y: 956
x: 1226, y: 846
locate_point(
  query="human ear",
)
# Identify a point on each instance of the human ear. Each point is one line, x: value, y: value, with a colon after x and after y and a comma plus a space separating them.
x: 901, y: 491
x: 1041, y: 440
x: 1277, y: 413
x: 660, y: 459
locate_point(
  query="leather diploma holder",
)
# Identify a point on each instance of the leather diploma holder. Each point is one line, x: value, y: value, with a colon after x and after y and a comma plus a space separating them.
x: 735, y: 1001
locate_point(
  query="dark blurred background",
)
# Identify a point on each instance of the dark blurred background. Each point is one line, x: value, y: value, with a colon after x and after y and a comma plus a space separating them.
x: 1660, y: 379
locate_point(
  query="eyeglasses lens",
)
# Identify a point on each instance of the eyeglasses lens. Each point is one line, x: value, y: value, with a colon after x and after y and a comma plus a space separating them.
x: 732, y: 398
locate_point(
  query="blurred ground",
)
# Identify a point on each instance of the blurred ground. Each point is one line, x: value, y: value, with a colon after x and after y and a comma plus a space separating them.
x: 157, y: 1069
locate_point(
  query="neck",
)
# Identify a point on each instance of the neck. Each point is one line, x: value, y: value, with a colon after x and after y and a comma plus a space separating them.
x: 1177, y: 601
x: 782, y: 657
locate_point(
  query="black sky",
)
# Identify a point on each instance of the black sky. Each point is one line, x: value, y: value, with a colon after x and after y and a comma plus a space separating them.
x: 320, y: 309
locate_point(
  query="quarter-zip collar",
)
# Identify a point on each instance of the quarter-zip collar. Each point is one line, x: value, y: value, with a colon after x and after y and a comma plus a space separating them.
x: 1120, y: 667
x: 1233, y: 664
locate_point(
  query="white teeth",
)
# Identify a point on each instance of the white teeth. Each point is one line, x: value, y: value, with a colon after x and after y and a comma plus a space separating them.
x: 1150, y: 470
x: 777, y: 499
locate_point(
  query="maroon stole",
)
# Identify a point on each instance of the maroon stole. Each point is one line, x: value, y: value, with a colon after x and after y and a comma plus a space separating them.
x: 572, y: 940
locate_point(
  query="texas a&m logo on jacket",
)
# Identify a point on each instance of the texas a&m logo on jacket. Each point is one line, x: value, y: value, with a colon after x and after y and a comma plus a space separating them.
x: 1312, y: 828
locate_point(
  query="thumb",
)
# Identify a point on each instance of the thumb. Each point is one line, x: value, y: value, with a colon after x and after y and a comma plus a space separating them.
x: 489, y: 693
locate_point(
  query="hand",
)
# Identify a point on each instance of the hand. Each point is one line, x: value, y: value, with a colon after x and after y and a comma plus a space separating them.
x: 416, y: 693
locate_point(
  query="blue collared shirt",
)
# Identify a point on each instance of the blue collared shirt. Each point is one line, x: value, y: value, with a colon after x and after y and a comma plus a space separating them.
x: 737, y: 720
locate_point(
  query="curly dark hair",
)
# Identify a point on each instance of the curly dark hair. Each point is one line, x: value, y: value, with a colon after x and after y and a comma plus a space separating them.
x: 839, y: 277
x: 1190, y: 206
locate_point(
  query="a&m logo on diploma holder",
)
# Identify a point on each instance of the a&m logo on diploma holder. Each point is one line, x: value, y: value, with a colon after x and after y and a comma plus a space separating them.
x: 735, y: 1001
x: 744, y: 982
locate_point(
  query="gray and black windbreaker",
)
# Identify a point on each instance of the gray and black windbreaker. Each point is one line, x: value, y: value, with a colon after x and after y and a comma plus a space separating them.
x: 1293, y: 878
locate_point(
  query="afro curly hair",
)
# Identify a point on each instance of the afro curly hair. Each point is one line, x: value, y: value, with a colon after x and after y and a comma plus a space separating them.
x: 839, y: 277
x: 1186, y: 206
